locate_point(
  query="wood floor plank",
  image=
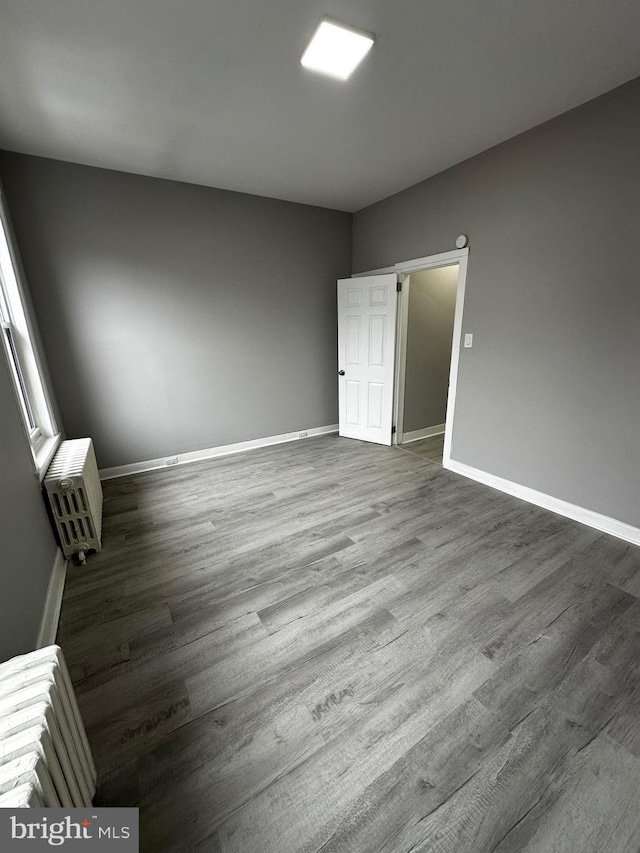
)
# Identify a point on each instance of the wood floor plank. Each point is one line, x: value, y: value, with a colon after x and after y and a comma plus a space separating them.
x: 182, y: 766
x: 427, y: 448
x: 291, y: 814
x: 536, y: 564
x: 594, y: 810
x: 341, y: 647
x: 98, y: 648
x: 422, y: 780
x: 238, y: 776
x: 221, y: 682
x: 546, y: 661
x: 516, y: 782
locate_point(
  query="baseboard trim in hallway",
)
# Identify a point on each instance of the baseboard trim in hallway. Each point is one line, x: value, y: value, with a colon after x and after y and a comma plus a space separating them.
x: 418, y: 434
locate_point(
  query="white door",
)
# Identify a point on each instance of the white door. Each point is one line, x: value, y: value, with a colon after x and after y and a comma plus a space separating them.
x: 366, y: 356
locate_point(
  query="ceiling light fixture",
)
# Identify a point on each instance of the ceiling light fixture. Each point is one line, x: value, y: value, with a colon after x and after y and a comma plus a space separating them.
x: 336, y: 49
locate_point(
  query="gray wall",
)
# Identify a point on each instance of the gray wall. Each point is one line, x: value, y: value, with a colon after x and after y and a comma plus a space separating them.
x: 178, y: 317
x: 549, y: 395
x: 432, y: 303
x: 28, y: 548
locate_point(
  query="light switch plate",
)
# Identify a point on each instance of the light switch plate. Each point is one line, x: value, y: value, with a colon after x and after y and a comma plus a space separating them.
x: 468, y: 340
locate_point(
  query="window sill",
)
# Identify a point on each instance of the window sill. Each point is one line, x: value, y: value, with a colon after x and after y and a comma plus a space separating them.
x: 45, y: 454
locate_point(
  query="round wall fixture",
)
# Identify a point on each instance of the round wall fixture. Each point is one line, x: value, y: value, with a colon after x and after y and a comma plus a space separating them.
x: 462, y: 241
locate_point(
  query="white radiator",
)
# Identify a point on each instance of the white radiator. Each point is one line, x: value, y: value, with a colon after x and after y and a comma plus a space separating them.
x: 45, y: 760
x: 75, y: 494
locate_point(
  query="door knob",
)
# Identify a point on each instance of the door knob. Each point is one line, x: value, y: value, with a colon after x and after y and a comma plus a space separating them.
x: 341, y: 373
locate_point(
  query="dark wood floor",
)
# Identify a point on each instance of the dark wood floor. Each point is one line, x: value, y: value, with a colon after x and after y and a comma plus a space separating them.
x: 334, y: 646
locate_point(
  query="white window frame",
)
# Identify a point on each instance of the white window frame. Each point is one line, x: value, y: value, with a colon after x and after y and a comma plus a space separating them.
x: 25, y: 367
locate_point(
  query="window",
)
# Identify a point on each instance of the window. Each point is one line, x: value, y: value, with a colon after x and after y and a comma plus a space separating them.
x: 22, y: 357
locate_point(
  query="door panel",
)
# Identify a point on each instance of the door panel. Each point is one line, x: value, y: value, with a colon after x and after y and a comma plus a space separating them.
x: 352, y: 329
x: 366, y: 354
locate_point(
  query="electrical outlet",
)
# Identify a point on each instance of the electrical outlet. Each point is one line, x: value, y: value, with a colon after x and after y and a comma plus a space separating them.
x: 171, y: 460
x: 468, y: 340
x: 303, y: 434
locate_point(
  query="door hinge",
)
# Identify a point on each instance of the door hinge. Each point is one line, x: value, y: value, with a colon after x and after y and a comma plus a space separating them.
x: 393, y: 430
x: 399, y: 287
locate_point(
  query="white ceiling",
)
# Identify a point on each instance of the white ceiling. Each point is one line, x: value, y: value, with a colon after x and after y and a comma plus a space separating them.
x: 212, y: 91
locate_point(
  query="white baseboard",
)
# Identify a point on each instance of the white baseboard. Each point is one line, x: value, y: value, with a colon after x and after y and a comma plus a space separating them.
x: 53, y: 602
x: 586, y: 516
x: 427, y: 432
x: 213, y: 452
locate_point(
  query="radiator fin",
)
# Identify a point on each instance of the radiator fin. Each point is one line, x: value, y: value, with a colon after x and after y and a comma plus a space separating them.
x: 45, y: 759
x: 75, y: 495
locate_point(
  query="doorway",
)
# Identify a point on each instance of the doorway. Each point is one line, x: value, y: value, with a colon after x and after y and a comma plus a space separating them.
x: 425, y: 359
x: 373, y: 317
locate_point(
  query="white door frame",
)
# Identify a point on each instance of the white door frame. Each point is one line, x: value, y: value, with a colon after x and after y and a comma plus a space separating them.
x: 367, y: 338
x: 404, y: 269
